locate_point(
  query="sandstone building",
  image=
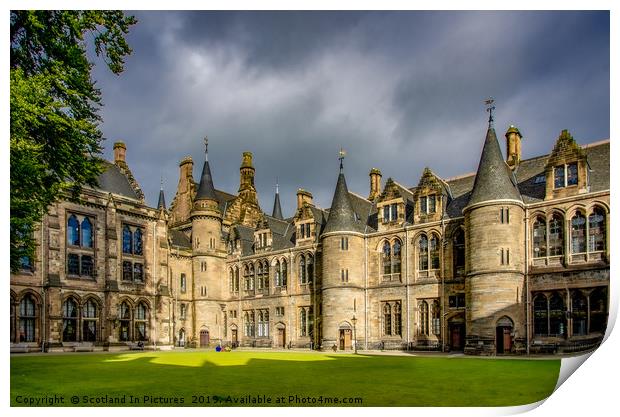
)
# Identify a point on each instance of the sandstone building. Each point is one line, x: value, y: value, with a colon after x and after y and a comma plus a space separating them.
x: 513, y: 258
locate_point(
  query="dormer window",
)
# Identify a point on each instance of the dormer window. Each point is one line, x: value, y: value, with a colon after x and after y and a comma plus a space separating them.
x: 565, y: 175
x: 390, y: 213
x: 304, y: 231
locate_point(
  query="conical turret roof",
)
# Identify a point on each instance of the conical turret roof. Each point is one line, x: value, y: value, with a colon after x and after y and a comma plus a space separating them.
x: 161, y: 203
x: 494, y: 179
x: 277, y: 210
x: 206, y: 190
x: 341, y: 215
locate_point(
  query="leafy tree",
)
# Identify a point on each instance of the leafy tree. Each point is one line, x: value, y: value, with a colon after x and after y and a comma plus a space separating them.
x: 55, y: 136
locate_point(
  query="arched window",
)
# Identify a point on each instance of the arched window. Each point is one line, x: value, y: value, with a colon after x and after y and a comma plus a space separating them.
x: 251, y: 278
x: 137, y: 242
x: 396, y: 257
x: 434, y: 252
x: 27, y: 319
x: 87, y: 233
x: 539, y: 238
x: 302, y: 270
x: 579, y: 313
x: 278, y: 274
x: 598, y: 310
x: 556, y: 235
x: 310, y: 267
x: 246, y: 278
x: 259, y: 273
x: 125, y: 322
x: 387, y: 320
x: 424, y: 318
x: 541, y: 315
x: 236, y: 279
x: 231, y: 280
x: 89, y: 321
x: 140, y: 322
x: 266, y: 275
x: 436, y: 316
x: 69, y: 320
x: 596, y: 233
x: 73, y: 231
x: 303, y: 328
x: 423, y: 253
x: 557, y: 315
x: 459, y: 252
x: 387, y: 258
x: 578, y: 233
x: 127, y: 240
x: 284, y: 272
x: 397, y: 319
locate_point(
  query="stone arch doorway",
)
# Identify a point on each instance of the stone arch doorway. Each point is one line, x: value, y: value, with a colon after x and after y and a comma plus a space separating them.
x: 345, y: 336
x: 204, y: 338
x: 503, y: 335
x: 234, y: 335
x: 280, y: 335
x: 181, y: 337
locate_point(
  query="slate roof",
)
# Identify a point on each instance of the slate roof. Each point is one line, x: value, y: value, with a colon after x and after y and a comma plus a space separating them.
x: 112, y: 180
x: 494, y: 179
x: 342, y: 217
x: 180, y: 239
x: 161, y: 203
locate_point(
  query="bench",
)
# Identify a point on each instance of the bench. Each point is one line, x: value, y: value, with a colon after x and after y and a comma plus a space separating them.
x: 538, y: 346
x: 135, y: 346
x: 20, y: 348
x: 84, y: 347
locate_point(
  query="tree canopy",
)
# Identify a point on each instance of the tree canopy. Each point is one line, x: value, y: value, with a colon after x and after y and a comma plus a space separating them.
x: 55, y: 136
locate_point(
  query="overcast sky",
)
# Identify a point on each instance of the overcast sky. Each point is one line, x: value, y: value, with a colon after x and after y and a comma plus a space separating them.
x: 397, y: 90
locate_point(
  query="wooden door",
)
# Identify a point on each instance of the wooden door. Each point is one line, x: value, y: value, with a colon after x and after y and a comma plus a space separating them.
x: 345, y: 339
x: 507, y: 340
x: 281, y: 338
x: 234, y: 337
x: 204, y: 338
x: 456, y: 337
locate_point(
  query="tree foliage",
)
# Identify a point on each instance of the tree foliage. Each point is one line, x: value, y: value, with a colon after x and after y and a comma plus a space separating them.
x: 55, y: 136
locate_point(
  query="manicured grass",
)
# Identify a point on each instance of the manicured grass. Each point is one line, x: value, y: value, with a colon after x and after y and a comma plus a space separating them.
x: 378, y: 380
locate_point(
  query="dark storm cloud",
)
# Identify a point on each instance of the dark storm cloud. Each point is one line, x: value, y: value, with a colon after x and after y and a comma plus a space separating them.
x: 398, y: 90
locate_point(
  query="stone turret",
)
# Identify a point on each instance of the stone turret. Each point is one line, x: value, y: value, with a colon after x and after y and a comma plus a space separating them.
x: 247, y: 190
x: 513, y: 146
x: 494, y: 223
x: 375, y: 184
x: 342, y: 272
x: 208, y: 257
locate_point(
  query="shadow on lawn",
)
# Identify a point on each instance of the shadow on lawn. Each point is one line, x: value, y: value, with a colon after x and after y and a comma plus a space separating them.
x: 204, y: 378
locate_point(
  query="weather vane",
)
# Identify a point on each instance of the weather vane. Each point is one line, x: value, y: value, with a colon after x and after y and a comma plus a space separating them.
x: 490, y: 103
x: 341, y: 156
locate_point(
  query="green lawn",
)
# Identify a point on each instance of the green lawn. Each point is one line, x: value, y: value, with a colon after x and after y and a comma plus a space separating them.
x: 207, y: 378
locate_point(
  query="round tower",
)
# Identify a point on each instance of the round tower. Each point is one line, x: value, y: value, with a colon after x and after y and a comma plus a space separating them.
x: 208, y: 260
x: 343, y: 319
x: 494, y: 286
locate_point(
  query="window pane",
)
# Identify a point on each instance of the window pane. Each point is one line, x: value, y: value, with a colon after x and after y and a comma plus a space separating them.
x: 73, y: 264
x: 127, y: 271
x: 386, y: 214
x: 434, y: 252
x: 541, y: 323
x: 559, y: 176
x: 127, y: 240
x: 138, y: 273
x: 431, y: 204
x: 540, y: 238
x: 578, y: 231
x: 571, y: 174
x: 87, y: 266
x: 73, y: 231
x: 556, y: 235
x: 423, y: 208
x: 423, y: 253
x: 87, y: 233
x: 596, y: 237
x: 394, y: 212
x: 137, y: 242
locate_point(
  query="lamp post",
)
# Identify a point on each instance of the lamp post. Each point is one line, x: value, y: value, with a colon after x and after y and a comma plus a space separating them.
x: 354, y: 320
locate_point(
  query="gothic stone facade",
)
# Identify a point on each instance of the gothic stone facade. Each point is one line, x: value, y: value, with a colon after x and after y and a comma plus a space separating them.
x: 514, y: 258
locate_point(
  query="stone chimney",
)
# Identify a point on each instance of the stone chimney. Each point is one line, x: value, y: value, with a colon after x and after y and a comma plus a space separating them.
x: 375, y: 184
x: 513, y: 146
x: 303, y: 196
x: 119, y: 151
x: 186, y: 168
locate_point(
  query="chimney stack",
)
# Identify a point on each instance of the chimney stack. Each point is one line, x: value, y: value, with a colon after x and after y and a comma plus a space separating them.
x: 513, y: 146
x: 119, y: 151
x: 375, y: 184
x: 303, y: 196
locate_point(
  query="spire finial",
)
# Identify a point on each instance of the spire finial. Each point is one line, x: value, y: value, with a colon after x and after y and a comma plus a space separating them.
x: 490, y: 107
x: 277, y: 186
x: 206, y: 140
x: 341, y: 156
x: 161, y: 182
